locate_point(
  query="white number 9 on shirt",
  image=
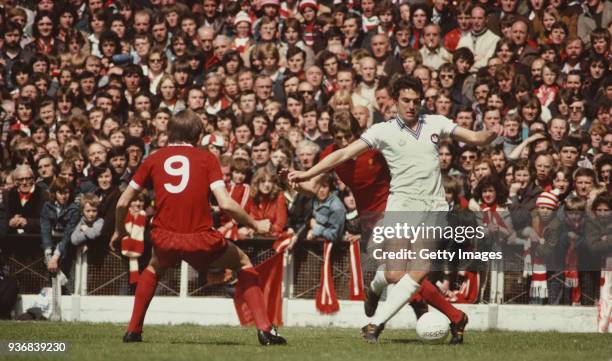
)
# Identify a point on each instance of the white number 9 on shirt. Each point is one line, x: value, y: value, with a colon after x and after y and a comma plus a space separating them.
x: 181, y: 171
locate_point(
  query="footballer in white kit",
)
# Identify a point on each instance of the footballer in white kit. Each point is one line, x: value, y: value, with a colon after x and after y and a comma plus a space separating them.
x: 409, y: 144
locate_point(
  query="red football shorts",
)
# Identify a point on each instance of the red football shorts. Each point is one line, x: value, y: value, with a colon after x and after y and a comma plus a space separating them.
x: 197, y: 249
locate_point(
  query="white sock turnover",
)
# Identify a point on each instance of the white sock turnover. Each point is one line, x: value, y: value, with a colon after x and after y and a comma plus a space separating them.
x: 379, y: 282
x: 396, y: 299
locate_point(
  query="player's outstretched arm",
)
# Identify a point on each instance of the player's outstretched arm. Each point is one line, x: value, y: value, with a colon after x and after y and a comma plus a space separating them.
x: 121, y: 211
x: 483, y: 137
x: 228, y: 205
x: 330, y: 162
x: 307, y: 187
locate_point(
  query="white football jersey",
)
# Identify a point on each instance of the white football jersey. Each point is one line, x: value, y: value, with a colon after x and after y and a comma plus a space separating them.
x: 412, y: 157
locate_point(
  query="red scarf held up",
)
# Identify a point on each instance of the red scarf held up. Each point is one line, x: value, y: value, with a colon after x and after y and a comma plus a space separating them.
x: 491, y: 215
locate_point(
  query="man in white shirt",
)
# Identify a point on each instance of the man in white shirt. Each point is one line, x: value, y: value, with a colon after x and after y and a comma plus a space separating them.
x: 481, y: 41
x: 409, y: 143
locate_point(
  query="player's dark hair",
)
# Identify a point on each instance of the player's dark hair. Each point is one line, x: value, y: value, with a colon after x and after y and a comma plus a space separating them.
x: 185, y: 126
x: 406, y: 82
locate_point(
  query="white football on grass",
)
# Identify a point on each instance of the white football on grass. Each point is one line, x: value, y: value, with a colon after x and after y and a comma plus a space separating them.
x: 433, y: 326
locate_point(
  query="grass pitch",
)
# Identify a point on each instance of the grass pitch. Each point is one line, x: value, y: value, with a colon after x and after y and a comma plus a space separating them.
x: 190, y: 342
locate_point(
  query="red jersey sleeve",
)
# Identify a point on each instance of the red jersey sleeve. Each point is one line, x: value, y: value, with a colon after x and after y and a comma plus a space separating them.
x: 214, y: 173
x: 142, y: 177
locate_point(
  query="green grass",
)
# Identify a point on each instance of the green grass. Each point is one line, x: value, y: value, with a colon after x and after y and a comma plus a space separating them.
x: 190, y: 342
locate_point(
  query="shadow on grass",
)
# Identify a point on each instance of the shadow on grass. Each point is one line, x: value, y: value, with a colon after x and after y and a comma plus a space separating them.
x: 404, y: 341
x: 208, y: 342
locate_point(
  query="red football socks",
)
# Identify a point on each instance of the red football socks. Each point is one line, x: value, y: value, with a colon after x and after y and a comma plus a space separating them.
x: 248, y: 279
x: 432, y: 296
x: 143, y: 296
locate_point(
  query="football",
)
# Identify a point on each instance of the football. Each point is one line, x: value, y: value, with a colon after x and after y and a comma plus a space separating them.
x: 433, y: 326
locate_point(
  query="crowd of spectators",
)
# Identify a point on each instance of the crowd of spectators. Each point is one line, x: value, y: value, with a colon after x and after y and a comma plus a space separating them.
x: 87, y: 88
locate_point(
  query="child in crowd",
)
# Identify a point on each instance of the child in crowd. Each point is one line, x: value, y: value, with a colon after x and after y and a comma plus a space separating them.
x: 90, y: 225
x: 541, y: 239
x: 353, y: 226
x: 239, y: 190
x: 58, y: 218
x: 547, y: 92
x: 328, y: 213
x: 572, y: 248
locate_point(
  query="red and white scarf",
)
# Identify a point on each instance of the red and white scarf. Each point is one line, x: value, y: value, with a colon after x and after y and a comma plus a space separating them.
x: 25, y: 197
x: 537, y: 268
x: 327, y: 302
x: 132, y: 246
x: 491, y: 216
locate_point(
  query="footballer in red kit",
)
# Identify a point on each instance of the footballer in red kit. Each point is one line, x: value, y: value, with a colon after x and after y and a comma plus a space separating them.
x: 368, y: 178
x: 182, y: 209
x: 168, y: 171
x: 182, y: 177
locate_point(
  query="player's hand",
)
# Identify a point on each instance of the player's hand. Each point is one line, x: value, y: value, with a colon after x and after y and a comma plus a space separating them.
x: 283, y: 174
x: 263, y: 226
x: 297, y: 176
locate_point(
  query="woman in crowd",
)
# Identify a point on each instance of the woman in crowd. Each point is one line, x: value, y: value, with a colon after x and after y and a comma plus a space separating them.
x: 267, y: 202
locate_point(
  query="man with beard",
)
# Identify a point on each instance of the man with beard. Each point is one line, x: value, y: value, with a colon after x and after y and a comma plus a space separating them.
x: 11, y: 50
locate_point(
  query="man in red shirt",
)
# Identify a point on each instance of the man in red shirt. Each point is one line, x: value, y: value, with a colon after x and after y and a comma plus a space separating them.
x: 368, y: 178
x: 182, y: 178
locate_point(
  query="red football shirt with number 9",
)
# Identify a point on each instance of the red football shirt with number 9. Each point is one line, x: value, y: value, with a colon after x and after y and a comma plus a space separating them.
x: 182, y: 177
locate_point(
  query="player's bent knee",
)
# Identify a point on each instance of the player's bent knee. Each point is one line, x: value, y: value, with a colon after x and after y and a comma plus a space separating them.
x: 155, y: 267
x: 233, y: 258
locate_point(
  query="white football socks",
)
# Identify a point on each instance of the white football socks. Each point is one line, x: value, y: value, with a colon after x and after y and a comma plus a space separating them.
x: 379, y: 282
x: 396, y: 299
